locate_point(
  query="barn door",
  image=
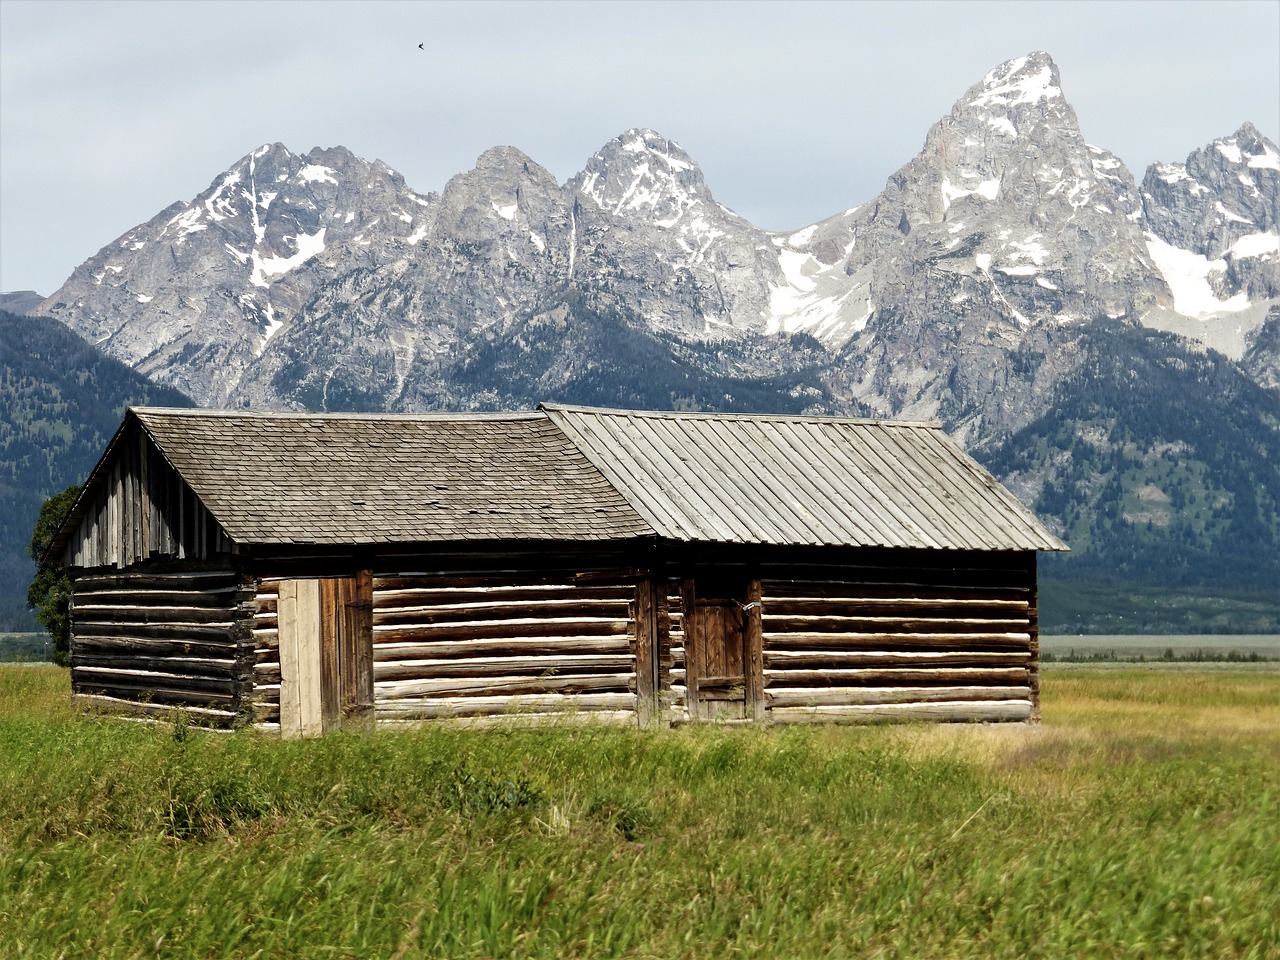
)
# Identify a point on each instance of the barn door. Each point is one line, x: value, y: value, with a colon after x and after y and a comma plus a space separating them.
x: 326, y: 654
x: 721, y: 650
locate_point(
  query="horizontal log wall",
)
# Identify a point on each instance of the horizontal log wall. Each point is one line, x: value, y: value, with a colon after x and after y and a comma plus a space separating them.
x: 462, y: 644
x: 154, y: 644
x: 143, y: 510
x: 674, y: 686
x: 913, y: 641
x: 266, y: 656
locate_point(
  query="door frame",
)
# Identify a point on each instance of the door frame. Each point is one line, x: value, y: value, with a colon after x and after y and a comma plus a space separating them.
x: 325, y: 633
x: 699, y: 593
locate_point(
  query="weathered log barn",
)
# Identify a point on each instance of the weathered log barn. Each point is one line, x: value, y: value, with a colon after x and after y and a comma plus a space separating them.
x: 300, y: 572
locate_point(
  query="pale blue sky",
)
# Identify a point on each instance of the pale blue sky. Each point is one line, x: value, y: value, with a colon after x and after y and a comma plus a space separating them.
x: 110, y: 111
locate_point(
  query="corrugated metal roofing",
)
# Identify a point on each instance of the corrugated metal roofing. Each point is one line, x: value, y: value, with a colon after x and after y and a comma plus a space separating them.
x: 345, y: 478
x: 801, y: 480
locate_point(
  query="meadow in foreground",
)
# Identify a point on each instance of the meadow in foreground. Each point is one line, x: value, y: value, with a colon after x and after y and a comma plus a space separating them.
x: 1141, y: 818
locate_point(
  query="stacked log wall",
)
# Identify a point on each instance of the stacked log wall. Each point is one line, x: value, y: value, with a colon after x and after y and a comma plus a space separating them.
x: 159, y: 644
x: 485, y: 644
x: 675, y: 678
x: 266, y: 656
x: 916, y: 640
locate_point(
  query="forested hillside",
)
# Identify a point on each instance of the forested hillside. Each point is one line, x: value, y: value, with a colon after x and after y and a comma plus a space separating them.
x: 1159, y: 463
x: 1161, y: 469
x: 60, y: 402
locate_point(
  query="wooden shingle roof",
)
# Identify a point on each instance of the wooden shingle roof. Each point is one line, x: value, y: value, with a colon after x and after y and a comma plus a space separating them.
x: 583, y: 474
x: 346, y: 478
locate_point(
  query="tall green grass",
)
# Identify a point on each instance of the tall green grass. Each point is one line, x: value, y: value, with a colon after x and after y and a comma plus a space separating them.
x: 1140, y: 819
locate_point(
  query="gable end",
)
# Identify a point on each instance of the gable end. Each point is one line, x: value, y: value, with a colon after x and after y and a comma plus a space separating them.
x: 136, y: 507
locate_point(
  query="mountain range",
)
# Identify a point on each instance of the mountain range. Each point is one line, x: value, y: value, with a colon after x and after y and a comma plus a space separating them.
x: 994, y: 284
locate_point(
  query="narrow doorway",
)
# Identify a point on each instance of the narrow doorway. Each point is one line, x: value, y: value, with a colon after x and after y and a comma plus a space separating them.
x: 326, y: 654
x: 722, y: 655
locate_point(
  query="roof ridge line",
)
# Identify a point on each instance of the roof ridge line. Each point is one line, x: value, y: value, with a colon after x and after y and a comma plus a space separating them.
x: 338, y: 415
x: 718, y: 415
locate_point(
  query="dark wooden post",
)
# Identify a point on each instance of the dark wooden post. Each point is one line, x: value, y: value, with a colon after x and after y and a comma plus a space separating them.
x: 648, y: 654
x: 361, y: 612
x: 753, y: 641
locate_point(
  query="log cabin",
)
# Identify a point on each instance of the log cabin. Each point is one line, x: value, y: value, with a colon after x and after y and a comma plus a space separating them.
x: 300, y: 573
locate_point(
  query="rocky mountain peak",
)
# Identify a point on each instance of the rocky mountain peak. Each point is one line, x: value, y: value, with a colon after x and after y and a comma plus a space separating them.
x: 1021, y: 80
x: 1005, y: 233
x: 1017, y: 95
x: 1006, y: 206
x: 506, y: 161
x: 641, y: 174
x: 1214, y: 222
x: 1249, y: 147
x: 500, y: 176
x: 505, y: 195
x: 196, y: 293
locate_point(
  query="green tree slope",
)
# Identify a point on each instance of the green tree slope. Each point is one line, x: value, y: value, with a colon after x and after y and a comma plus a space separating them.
x: 1159, y: 466
x: 60, y: 402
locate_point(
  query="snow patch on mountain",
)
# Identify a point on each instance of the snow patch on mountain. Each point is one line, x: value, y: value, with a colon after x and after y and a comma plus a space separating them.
x: 221, y: 207
x: 1260, y: 245
x: 1024, y: 80
x: 987, y: 189
x: 317, y: 173
x: 1188, y: 275
x: 272, y: 328
x: 1268, y: 159
x: 307, y: 245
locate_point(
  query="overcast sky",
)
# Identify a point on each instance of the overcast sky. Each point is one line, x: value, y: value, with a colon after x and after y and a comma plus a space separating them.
x: 111, y: 111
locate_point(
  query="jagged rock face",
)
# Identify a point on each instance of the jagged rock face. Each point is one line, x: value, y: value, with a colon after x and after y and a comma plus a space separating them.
x: 952, y: 291
x: 959, y: 293
x: 1213, y: 226
x: 1224, y: 193
x: 649, y: 231
x: 193, y: 296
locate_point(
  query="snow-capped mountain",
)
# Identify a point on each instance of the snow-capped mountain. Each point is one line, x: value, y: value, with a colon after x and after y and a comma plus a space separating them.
x: 195, y: 296
x: 1006, y: 204
x: 957, y: 293
x: 1213, y: 227
x: 949, y: 293
x: 646, y: 220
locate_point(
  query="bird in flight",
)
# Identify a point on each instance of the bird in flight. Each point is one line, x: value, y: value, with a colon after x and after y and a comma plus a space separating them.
x: 421, y: 46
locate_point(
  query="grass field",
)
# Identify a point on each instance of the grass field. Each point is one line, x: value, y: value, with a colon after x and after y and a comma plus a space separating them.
x: 1204, y: 647
x: 1140, y: 819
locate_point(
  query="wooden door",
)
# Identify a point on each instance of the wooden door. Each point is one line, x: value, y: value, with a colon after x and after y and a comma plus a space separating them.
x: 326, y: 654
x: 716, y: 653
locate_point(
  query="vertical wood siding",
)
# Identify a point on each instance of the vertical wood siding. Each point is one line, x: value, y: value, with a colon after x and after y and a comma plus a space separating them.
x: 155, y: 643
x: 144, y: 510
